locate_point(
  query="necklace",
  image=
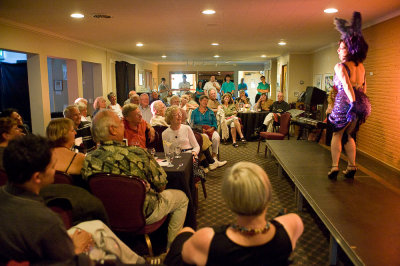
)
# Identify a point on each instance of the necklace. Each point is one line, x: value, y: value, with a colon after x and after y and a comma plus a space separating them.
x: 251, y: 231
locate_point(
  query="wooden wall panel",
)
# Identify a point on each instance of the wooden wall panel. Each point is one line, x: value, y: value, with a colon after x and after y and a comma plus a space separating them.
x: 380, y: 135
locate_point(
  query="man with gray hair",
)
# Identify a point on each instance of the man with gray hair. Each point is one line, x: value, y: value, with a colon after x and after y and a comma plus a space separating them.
x: 158, y: 109
x: 275, y: 110
x: 112, y: 156
x: 130, y: 95
x: 145, y: 108
x: 82, y: 129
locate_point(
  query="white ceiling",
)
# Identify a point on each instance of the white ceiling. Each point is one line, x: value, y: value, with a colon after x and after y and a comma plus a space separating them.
x: 244, y: 29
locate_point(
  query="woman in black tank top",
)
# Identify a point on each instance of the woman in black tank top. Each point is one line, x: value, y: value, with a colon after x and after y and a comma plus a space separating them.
x: 251, y: 240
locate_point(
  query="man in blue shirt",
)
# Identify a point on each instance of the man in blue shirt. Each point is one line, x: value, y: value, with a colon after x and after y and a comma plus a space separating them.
x: 204, y: 116
x: 228, y: 86
x: 243, y: 86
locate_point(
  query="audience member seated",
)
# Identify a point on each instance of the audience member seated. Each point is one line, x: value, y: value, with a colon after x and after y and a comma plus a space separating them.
x: 135, y: 99
x: 99, y: 104
x: 213, y: 103
x: 175, y: 100
x: 29, y: 230
x: 227, y: 115
x: 193, y: 104
x: 242, y: 99
x: 113, y: 156
x: 167, y: 100
x: 158, y: 110
x: 204, y: 116
x: 276, y: 109
x: 81, y: 104
x: 82, y: 129
x: 154, y: 97
x: 9, y: 130
x: 184, y: 136
x: 61, y: 133
x: 251, y: 240
x: 137, y: 130
x: 131, y: 93
x: 13, y: 113
x: 263, y: 103
x: 114, y: 106
x: 145, y: 107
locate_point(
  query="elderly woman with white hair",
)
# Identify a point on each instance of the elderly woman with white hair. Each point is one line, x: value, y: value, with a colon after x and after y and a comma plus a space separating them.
x: 158, y: 109
x: 251, y: 239
x: 82, y: 107
x: 184, y: 136
x: 99, y: 104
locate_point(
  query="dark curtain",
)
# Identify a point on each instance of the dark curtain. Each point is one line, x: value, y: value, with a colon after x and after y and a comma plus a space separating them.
x: 14, y: 89
x: 125, y: 79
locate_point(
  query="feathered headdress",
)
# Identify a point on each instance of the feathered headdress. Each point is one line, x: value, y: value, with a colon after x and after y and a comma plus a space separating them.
x: 352, y: 35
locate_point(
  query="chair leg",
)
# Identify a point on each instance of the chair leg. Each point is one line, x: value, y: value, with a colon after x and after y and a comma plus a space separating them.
x: 203, y: 185
x: 149, y: 246
x: 266, y: 150
x: 258, y: 147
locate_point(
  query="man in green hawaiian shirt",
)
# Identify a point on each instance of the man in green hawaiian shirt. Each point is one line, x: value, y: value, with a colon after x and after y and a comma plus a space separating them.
x: 112, y: 156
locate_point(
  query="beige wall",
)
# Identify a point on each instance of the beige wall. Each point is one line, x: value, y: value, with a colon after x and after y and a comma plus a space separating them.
x: 32, y: 41
x: 299, y: 71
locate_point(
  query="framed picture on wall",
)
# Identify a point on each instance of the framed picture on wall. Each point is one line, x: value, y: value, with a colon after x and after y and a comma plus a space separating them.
x: 318, y: 81
x: 328, y: 82
x: 58, y: 85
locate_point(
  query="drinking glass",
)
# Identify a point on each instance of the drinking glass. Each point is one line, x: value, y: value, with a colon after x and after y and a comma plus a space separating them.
x: 169, y: 156
x: 178, y: 151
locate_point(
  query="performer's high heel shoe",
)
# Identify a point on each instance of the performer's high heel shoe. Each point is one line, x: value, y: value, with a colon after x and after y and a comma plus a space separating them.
x: 332, y: 175
x: 350, y: 171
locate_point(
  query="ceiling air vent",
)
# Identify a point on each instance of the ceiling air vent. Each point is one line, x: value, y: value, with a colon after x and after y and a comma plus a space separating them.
x: 101, y: 16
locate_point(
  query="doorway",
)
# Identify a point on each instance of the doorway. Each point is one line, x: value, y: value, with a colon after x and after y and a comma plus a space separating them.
x: 91, y: 83
x: 251, y: 78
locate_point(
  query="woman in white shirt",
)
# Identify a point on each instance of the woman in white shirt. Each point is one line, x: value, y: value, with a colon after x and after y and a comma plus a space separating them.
x: 177, y: 133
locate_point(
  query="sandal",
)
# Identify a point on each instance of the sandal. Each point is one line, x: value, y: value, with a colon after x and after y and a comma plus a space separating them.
x: 243, y: 140
x: 333, y: 173
x: 235, y: 145
x: 350, y: 171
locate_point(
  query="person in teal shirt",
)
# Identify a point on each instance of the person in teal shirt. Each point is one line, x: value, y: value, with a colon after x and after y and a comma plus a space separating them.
x: 263, y: 87
x: 228, y: 86
x: 243, y: 86
x: 199, y: 90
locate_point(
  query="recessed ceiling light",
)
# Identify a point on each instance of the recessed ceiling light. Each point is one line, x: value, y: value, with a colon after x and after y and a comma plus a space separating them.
x: 282, y: 43
x: 216, y: 56
x: 77, y: 15
x: 215, y: 44
x: 263, y: 56
x: 164, y: 56
x: 330, y: 10
x: 208, y: 12
x: 139, y: 44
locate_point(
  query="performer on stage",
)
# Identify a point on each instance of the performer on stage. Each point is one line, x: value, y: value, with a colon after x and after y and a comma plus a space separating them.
x: 351, y: 106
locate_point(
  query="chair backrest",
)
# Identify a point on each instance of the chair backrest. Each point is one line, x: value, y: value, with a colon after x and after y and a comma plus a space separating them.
x: 3, y: 177
x: 62, y: 178
x: 123, y: 198
x: 158, y: 143
x: 285, y: 122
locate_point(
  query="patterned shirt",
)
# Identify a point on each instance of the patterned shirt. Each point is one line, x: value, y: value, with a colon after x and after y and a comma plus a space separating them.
x: 208, y: 118
x: 84, y: 131
x: 115, y: 158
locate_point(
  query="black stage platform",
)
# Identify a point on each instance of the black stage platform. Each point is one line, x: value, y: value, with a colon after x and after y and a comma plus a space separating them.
x: 362, y: 215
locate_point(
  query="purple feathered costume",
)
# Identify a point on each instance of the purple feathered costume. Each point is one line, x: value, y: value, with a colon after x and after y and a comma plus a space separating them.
x: 357, y: 50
